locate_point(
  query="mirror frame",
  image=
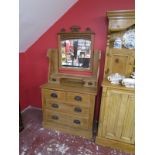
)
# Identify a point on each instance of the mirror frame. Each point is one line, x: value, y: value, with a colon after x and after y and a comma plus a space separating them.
x: 76, y: 34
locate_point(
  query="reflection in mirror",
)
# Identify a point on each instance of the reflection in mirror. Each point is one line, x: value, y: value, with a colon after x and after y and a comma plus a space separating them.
x: 76, y: 53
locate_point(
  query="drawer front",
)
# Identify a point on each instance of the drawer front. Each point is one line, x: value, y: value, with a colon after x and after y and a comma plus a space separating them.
x: 54, y: 95
x: 120, y: 24
x: 66, y: 108
x: 64, y: 119
x: 78, y: 98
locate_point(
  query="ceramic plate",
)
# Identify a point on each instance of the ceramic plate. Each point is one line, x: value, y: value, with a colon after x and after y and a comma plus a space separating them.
x: 129, y: 39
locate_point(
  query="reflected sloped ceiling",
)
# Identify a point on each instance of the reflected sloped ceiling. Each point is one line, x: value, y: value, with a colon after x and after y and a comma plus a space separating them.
x: 37, y: 16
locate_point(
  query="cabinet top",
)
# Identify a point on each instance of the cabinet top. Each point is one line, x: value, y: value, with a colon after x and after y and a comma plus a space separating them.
x: 121, y: 14
x: 106, y: 83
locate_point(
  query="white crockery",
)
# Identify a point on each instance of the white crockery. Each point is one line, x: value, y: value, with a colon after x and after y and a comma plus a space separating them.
x: 115, y: 78
x: 128, y: 82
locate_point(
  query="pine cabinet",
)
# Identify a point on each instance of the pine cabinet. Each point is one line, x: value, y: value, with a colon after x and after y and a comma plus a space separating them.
x: 118, y: 116
x: 117, y: 111
x: 116, y: 124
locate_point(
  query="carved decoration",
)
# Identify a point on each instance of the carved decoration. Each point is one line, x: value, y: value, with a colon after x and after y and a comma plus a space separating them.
x: 75, y: 29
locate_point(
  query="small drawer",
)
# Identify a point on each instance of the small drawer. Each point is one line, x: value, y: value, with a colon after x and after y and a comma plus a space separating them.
x: 54, y: 95
x: 120, y: 24
x: 65, y: 119
x: 66, y: 108
x: 78, y: 98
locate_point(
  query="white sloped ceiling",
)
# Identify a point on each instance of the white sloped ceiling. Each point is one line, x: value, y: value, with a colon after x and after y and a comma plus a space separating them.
x: 37, y: 16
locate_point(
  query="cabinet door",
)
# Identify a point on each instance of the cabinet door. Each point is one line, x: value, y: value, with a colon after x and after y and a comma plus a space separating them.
x: 118, y: 116
x: 119, y: 61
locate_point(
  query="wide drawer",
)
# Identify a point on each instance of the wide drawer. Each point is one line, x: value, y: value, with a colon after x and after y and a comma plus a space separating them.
x: 120, y: 24
x: 64, y: 119
x: 67, y: 108
x: 54, y: 95
x: 78, y: 98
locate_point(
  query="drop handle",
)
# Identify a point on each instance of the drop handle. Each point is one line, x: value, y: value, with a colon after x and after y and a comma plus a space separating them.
x: 78, y: 98
x: 76, y: 121
x: 77, y: 109
x: 54, y: 95
x: 90, y: 83
x: 54, y: 117
x: 53, y: 79
x: 54, y: 105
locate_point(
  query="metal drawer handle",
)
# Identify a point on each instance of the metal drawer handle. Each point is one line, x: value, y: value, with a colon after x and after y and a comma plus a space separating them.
x: 76, y: 121
x: 53, y: 79
x: 77, y: 109
x: 54, y: 117
x: 54, y: 95
x: 90, y: 83
x: 78, y: 98
x: 54, y: 105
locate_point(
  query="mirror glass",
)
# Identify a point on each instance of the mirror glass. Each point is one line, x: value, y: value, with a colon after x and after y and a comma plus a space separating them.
x: 76, y: 53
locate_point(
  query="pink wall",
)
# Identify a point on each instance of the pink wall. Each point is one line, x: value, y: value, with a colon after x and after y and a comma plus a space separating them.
x: 34, y: 63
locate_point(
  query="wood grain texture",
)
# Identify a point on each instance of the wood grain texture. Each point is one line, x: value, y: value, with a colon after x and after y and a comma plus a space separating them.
x: 119, y: 61
x: 117, y: 110
x: 67, y: 129
x: 120, y: 20
x: 70, y: 108
x: 115, y: 144
x: 76, y: 109
x: 116, y: 121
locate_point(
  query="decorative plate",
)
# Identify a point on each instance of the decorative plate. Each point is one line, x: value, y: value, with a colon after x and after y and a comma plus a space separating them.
x: 129, y: 39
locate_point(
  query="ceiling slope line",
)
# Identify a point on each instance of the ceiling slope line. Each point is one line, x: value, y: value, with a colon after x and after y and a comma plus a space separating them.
x: 37, y: 16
